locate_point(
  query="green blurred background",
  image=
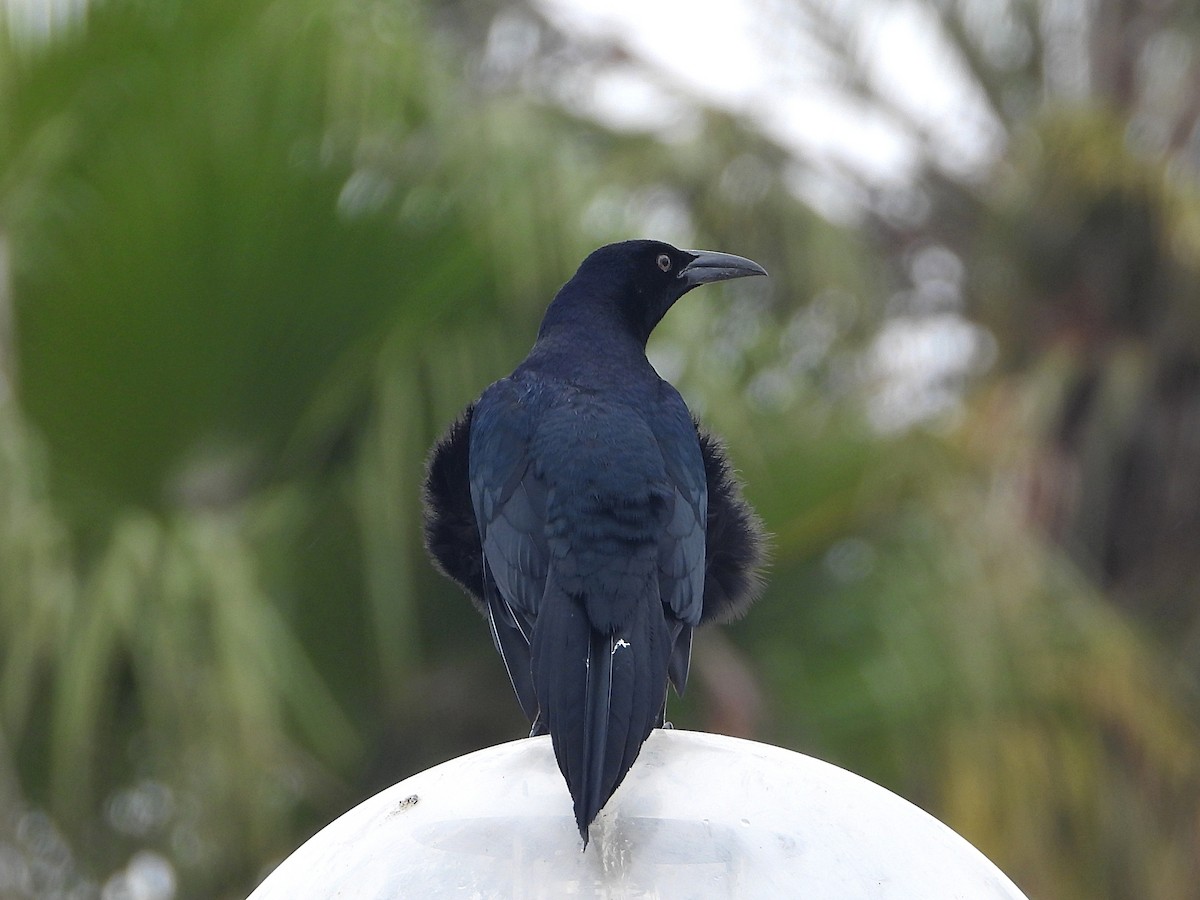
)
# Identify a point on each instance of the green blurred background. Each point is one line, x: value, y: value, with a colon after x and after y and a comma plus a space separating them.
x: 255, y: 255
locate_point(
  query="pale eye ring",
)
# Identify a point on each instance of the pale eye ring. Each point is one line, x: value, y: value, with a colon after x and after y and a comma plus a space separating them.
x: 664, y: 262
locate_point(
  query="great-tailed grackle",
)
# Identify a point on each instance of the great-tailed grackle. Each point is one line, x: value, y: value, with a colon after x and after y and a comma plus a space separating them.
x: 591, y: 519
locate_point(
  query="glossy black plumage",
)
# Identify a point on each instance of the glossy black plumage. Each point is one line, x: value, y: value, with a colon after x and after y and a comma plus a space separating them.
x: 591, y: 520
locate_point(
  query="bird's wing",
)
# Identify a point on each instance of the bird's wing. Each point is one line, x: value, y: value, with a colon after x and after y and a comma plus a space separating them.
x: 512, y: 634
x: 681, y: 557
x: 735, y: 539
x: 509, y: 501
x: 682, y: 546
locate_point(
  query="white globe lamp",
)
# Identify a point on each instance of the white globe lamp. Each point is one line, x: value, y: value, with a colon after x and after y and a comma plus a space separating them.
x: 698, y: 816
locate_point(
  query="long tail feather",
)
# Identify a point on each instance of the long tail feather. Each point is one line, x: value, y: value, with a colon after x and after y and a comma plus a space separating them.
x: 598, y: 699
x: 599, y: 694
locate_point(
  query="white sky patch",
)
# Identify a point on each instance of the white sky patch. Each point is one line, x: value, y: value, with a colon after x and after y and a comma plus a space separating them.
x: 828, y: 129
x: 624, y: 98
x: 705, y: 46
x: 917, y: 365
x: 741, y: 56
x: 911, y: 65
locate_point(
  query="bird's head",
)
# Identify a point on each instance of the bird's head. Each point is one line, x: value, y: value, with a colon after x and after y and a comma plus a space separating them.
x: 640, y: 280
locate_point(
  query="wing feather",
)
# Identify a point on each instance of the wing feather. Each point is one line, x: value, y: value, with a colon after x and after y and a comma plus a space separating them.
x: 509, y: 503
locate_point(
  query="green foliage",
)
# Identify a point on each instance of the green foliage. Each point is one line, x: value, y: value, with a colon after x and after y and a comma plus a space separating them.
x: 260, y: 254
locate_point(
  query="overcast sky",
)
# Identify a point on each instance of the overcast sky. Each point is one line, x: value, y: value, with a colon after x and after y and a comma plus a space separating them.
x: 758, y: 57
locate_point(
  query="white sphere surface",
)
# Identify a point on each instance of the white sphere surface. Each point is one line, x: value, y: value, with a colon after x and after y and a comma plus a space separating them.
x: 698, y: 816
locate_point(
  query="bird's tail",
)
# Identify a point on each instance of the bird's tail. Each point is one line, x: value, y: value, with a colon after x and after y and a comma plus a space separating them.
x: 600, y: 694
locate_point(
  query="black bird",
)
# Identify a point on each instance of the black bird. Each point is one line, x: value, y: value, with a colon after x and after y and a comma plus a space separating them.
x: 591, y: 519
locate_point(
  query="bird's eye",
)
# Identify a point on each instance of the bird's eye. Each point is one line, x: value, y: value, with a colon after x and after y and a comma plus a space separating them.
x: 664, y: 262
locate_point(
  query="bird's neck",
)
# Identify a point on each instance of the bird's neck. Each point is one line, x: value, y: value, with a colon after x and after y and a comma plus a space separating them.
x: 589, y: 351
x: 612, y: 312
x: 590, y: 344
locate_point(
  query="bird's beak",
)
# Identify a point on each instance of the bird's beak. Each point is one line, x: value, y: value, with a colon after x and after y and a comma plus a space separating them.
x: 709, y: 265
